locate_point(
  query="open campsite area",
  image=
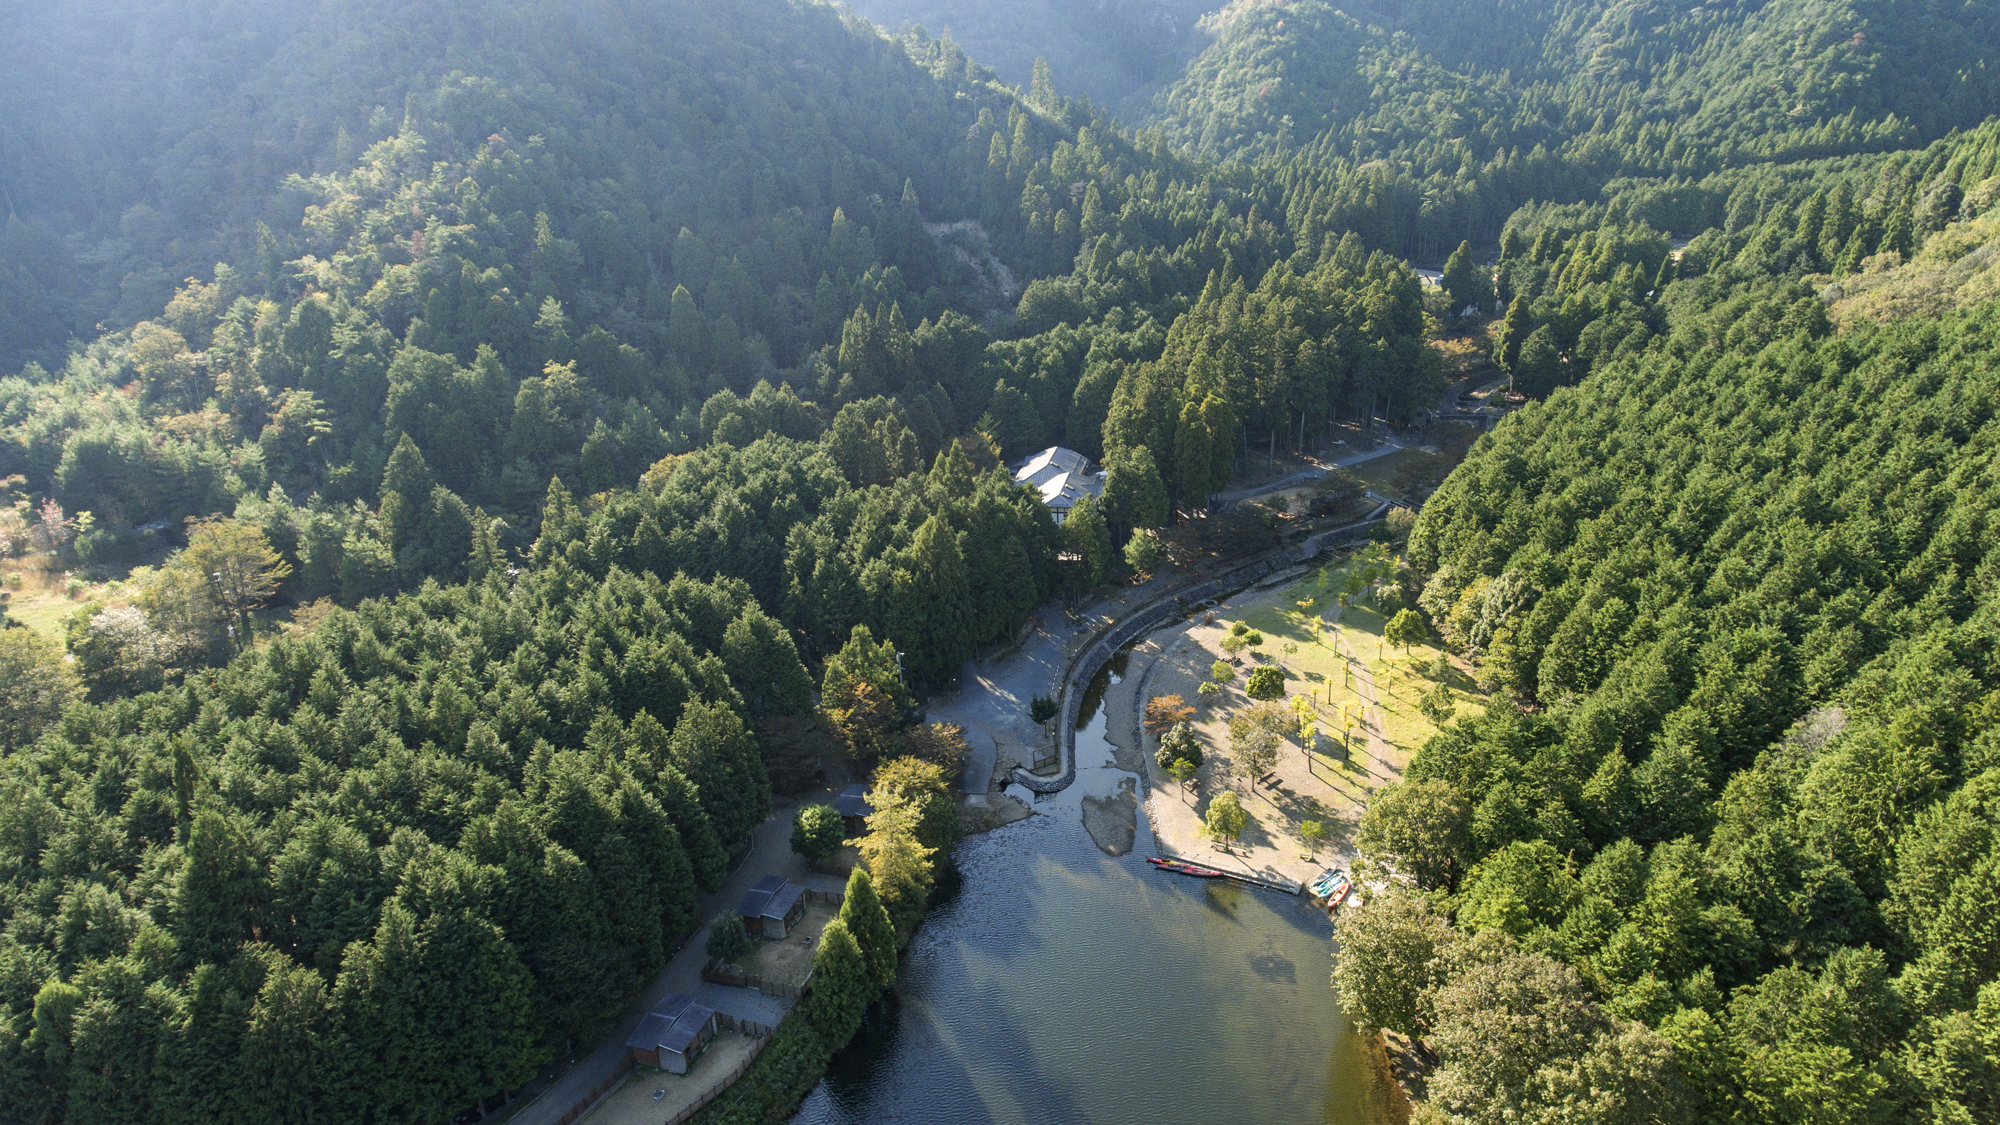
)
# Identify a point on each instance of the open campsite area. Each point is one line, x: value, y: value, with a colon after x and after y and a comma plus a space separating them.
x: 1369, y: 703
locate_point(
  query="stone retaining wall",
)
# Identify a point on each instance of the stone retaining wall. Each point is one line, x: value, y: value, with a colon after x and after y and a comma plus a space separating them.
x: 1150, y: 616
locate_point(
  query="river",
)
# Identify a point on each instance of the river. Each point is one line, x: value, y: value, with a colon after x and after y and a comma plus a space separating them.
x: 1058, y: 984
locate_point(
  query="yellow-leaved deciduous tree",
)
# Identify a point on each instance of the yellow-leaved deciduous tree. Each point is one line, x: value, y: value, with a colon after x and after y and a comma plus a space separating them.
x: 867, y: 723
x: 1225, y: 820
x: 899, y: 863
x: 922, y: 785
x: 241, y: 568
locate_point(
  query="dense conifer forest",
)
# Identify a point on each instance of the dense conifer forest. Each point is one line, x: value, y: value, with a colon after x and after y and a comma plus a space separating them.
x: 526, y: 433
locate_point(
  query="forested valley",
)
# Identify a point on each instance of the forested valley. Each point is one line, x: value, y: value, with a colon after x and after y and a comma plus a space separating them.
x: 512, y: 425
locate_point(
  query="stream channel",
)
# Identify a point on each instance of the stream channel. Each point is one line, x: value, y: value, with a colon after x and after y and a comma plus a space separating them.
x: 1059, y: 984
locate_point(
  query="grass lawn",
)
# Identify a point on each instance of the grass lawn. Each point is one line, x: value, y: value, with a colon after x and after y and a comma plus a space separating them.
x: 1385, y: 474
x: 44, y: 611
x: 1317, y: 669
x: 42, y: 599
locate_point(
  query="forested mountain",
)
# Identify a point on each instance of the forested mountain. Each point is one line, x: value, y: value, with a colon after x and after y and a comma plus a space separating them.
x: 580, y: 379
x: 1107, y: 50
x: 1442, y: 117
x: 1740, y: 587
x: 1725, y: 851
x: 522, y: 288
x: 609, y: 363
x: 309, y: 884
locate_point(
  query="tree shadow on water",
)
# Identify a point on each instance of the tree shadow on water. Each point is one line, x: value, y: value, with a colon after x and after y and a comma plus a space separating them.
x: 1272, y: 966
x: 900, y: 1067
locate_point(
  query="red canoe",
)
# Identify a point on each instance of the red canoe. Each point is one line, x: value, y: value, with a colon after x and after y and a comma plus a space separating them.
x: 1182, y: 867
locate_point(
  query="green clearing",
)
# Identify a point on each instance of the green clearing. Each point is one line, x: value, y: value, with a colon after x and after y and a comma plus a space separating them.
x: 1386, y: 474
x: 1318, y: 669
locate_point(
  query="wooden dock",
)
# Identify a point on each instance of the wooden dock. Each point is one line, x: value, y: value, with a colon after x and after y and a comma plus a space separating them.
x: 1253, y: 880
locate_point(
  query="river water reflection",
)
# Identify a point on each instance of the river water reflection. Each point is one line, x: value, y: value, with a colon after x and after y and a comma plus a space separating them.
x: 1059, y: 984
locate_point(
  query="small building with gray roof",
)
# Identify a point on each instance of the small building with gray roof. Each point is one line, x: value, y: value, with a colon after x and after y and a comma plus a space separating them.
x: 854, y: 809
x: 673, y: 1034
x: 772, y: 906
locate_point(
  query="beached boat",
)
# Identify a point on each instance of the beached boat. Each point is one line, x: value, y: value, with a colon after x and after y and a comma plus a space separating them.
x: 1332, y: 886
x: 1182, y: 867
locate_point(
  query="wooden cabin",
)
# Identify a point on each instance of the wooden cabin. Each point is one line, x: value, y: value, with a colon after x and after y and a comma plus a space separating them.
x: 854, y: 810
x: 673, y: 1035
x: 772, y: 907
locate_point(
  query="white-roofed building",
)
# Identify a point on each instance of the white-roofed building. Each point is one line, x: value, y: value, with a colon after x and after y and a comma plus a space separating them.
x: 1058, y: 474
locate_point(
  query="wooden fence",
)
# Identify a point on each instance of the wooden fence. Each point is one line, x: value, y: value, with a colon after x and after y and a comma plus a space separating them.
x: 745, y: 1026
x: 719, y: 972
x: 584, y: 1106
x: 831, y: 898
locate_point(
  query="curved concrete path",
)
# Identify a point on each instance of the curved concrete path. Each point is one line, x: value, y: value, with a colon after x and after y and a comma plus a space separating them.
x: 1228, y: 500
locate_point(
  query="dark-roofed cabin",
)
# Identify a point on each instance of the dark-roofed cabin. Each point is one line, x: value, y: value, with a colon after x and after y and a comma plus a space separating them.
x: 673, y: 1034
x: 772, y: 907
x: 853, y: 807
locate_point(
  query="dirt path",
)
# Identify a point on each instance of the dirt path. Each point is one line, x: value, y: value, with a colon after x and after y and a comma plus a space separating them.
x: 1229, y: 500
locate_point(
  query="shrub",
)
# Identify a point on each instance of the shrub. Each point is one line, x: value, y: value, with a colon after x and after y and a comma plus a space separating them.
x: 1437, y: 705
x: 1178, y: 743
x: 1142, y: 552
x: 1042, y: 709
x: 941, y: 743
x: 1238, y: 629
x: 1221, y: 672
x: 726, y: 938
x: 1267, y: 682
x: 1253, y: 638
x: 817, y: 832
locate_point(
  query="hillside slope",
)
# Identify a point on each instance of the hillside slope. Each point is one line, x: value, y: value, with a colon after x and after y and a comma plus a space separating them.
x: 1450, y: 115
x: 1106, y: 49
x: 1735, y: 835
x: 156, y: 136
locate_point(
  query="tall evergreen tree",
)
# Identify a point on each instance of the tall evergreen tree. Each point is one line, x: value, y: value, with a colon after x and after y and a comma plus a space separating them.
x: 711, y: 746
x: 841, y: 986
x: 1466, y: 281
x: 1513, y: 333
x: 868, y: 921
x: 1086, y: 536
x: 930, y: 607
x: 764, y: 665
x: 1134, y: 494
